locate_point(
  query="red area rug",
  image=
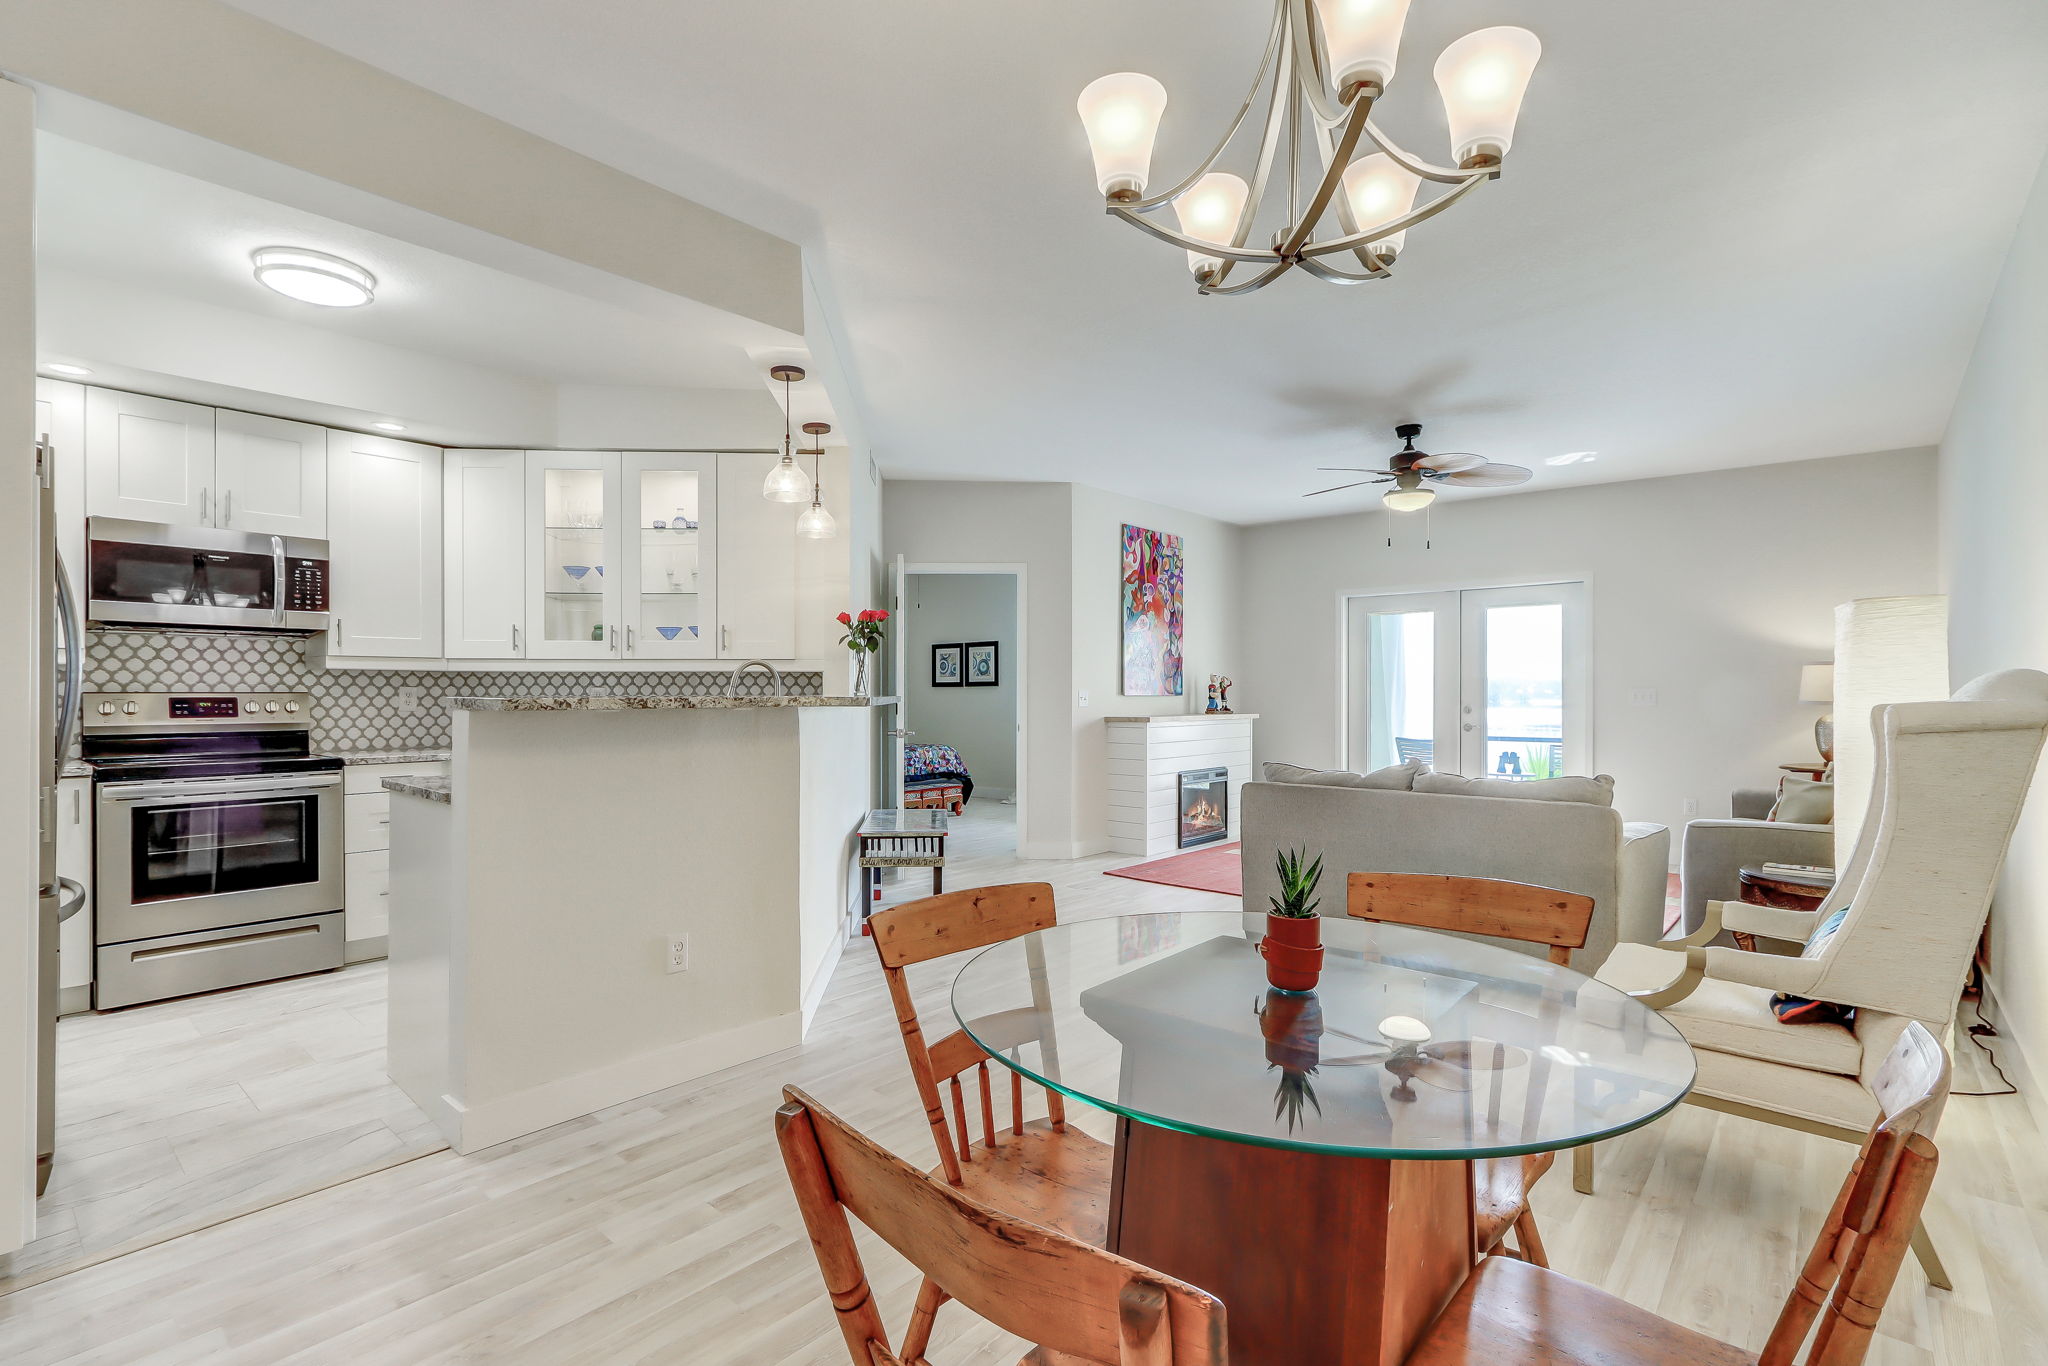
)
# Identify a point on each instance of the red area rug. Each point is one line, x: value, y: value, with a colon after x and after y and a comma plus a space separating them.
x: 1213, y: 869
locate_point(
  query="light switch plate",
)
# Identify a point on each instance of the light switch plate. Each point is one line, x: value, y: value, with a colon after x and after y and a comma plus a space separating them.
x: 1643, y: 697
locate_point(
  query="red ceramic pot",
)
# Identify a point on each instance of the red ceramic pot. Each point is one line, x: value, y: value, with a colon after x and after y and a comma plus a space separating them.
x: 1293, y: 950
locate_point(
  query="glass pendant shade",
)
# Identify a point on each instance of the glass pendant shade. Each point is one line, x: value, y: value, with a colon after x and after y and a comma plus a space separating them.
x: 1121, y: 114
x: 1363, y: 38
x: 816, y: 524
x: 1408, y: 500
x: 1482, y: 77
x: 1379, y: 191
x: 1210, y: 211
x: 786, y: 483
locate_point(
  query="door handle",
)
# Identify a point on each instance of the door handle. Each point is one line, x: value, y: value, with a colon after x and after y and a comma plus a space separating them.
x: 515, y: 637
x: 724, y: 639
x: 227, y: 508
x: 206, y: 507
x: 631, y: 644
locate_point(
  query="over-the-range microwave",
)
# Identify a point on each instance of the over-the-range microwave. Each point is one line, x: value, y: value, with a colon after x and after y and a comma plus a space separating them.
x: 151, y: 574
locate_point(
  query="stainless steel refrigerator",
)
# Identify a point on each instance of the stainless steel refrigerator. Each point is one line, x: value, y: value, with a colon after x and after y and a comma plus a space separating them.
x: 60, y: 646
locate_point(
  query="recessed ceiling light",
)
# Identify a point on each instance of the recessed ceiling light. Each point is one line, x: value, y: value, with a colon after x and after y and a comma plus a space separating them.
x: 388, y: 426
x: 314, y: 277
x: 1573, y: 458
x: 57, y: 367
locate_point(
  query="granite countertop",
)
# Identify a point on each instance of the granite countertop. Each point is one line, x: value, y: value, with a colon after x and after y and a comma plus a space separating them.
x: 431, y: 786
x: 352, y: 757
x: 75, y: 768
x: 646, y: 703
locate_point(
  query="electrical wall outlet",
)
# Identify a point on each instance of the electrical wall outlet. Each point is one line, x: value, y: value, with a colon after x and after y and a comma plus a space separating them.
x: 1692, y: 806
x: 1081, y: 698
x: 676, y: 954
x: 408, y: 701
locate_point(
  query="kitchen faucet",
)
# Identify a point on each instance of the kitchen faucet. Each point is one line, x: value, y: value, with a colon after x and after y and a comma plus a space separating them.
x: 732, y: 680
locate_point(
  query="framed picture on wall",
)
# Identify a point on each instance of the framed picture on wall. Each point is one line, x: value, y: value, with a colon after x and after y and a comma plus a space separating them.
x: 946, y: 666
x: 982, y: 664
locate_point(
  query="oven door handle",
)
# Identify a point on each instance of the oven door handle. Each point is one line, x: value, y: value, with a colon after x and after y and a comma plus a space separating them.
x: 179, y: 790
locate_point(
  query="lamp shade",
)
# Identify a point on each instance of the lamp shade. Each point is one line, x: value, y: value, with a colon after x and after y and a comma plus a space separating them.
x: 1121, y: 115
x: 1817, y: 683
x: 1363, y: 38
x: 1482, y: 77
x: 1210, y: 210
x: 1379, y: 191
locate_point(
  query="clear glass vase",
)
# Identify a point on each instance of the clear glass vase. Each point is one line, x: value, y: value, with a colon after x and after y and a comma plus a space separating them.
x: 860, y: 673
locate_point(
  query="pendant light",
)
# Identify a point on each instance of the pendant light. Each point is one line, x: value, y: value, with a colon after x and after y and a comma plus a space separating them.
x: 786, y: 483
x: 814, y: 523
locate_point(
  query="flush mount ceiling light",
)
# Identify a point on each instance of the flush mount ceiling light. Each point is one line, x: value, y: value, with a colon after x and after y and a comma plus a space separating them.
x: 1573, y: 458
x: 786, y: 483
x: 1327, y: 62
x: 58, y: 367
x: 388, y: 426
x: 314, y: 277
x: 814, y: 523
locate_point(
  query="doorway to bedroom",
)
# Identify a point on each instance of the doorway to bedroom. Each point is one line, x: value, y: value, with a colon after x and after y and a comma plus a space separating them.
x: 960, y: 688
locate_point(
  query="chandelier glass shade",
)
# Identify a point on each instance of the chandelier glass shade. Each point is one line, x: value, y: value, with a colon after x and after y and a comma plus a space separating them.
x: 1321, y: 165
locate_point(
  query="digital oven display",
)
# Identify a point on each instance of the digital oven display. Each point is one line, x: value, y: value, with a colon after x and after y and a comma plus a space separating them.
x: 201, y: 707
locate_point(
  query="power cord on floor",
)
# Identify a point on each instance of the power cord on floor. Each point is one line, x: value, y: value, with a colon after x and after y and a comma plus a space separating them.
x: 1979, y: 1032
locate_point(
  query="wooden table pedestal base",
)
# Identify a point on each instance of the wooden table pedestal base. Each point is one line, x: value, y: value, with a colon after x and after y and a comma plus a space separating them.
x: 1320, y: 1260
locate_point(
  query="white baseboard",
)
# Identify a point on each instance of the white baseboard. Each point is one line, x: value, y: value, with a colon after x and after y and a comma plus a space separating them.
x: 821, y: 982
x: 538, y: 1107
x: 2012, y: 1056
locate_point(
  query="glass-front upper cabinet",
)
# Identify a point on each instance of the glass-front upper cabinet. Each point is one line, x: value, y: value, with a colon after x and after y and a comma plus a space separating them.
x: 573, y: 570
x: 670, y: 558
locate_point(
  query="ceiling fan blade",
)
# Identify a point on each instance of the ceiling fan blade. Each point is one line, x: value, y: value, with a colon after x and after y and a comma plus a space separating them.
x: 1348, y: 469
x: 1341, y: 487
x: 1488, y: 476
x: 1450, y: 462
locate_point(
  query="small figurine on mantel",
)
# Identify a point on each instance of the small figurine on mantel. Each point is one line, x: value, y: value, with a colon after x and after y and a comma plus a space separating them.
x: 1223, y: 695
x: 1214, y: 704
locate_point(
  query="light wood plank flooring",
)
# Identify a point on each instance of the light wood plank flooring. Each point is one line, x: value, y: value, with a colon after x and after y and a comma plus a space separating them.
x: 176, y: 1115
x: 662, y: 1231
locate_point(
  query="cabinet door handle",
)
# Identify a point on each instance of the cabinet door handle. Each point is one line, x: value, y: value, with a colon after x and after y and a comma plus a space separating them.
x: 724, y: 639
x: 334, y: 625
x: 631, y: 644
x: 612, y: 633
x: 515, y: 637
x: 205, y: 507
x: 227, y: 508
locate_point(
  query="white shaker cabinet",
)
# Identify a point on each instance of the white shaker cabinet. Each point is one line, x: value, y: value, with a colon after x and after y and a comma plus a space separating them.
x: 572, y: 549
x: 668, y: 584
x: 269, y: 475
x: 485, y: 551
x: 148, y: 459
x: 384, y: 519
x: 756, y: 561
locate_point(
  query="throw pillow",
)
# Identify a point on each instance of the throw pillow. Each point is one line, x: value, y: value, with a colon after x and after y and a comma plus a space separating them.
x: 1597, y: 791
x: 1792, y: 1009
x: 1803, y: 801
x: 1395, y: 777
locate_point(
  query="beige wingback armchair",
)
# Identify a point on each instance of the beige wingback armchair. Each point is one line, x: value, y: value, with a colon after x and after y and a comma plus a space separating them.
x: 1950, y: 780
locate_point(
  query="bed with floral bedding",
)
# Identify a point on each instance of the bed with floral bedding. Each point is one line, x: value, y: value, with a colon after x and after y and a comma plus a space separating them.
x: 928, y: 770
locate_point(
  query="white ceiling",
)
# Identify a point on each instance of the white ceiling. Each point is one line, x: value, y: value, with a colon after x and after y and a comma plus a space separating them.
x: 1730, y: 233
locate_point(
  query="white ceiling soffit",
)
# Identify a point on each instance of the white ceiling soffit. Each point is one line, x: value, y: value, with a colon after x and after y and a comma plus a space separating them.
x: 1728, y: 234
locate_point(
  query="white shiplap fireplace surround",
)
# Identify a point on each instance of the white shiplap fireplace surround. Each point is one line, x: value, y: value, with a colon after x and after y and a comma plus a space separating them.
x: 1147, y: 755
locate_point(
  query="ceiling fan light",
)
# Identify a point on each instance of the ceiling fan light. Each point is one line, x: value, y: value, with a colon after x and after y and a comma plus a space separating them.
x: 1363, y: 38
x: 1210, y: 211
x: 1121, y: 113
x: 786, y: 483
x: 1483, y: 77
x: 1379, y: 190
x: 1408, y: 500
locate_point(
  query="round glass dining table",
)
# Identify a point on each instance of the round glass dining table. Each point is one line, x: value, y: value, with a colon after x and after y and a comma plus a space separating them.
x: 1308, y: 1157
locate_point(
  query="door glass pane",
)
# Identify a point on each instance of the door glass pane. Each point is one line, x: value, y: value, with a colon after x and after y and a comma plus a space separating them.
x: 245, y: 846
x: 1400, y: 688
x: 574, y: 528
x: 1525, y: 691
x: 669, y: 540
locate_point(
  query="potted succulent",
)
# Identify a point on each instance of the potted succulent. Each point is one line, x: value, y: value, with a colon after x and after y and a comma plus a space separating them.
x: 1292, y: 1024
x: 863, y: 637
x: 1293, y: 946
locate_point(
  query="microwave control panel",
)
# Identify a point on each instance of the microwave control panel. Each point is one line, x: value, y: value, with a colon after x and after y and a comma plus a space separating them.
x: 305, y: 588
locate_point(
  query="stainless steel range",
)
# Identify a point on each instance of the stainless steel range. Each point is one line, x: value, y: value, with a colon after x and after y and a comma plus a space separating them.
x: 219, y: 842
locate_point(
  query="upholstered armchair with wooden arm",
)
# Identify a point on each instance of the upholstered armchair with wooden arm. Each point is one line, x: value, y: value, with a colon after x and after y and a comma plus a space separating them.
x: 1950, y: 780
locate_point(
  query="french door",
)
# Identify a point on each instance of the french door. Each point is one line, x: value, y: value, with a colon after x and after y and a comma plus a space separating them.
x: 1487, y: 682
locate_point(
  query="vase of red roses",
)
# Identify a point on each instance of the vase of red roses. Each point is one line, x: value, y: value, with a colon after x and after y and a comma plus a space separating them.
x: 863, y: 637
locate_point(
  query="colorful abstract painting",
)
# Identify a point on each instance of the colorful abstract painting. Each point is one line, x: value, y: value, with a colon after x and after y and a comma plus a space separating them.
x: 1151, y: 613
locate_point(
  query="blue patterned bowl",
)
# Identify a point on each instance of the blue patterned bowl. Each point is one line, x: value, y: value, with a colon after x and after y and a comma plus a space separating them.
x: 668, y: 632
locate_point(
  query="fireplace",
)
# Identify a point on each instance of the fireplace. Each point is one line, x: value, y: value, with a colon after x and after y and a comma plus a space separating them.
x: 1204, y: 806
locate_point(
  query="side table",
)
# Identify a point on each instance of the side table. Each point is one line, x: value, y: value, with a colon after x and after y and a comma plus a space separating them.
x: 1783, y: 890
x: 901, y: 838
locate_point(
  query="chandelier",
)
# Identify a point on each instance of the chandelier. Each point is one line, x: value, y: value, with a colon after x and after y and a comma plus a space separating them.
x: 1327, y: 63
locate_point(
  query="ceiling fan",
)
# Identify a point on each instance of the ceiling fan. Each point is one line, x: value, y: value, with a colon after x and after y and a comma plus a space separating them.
x: 1415, y: 474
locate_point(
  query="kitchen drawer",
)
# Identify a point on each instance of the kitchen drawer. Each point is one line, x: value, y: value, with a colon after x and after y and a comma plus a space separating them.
x: 368, y: 823
x: 369, y: 894
x: 180, y: 964
x: 370, y: 777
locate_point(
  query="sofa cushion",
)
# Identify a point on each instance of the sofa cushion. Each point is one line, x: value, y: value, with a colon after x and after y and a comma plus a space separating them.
x: 1802, y: 801
x: 1396, y: 777
x: 1733, y: 1017
x: 1593, y: 791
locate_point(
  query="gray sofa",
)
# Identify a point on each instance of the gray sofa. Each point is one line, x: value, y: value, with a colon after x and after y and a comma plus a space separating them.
x: 1715, y: 852
x: 1573, y: 846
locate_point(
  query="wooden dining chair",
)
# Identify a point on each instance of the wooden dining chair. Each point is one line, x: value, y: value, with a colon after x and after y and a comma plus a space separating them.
x: 1079, y: 1303
x: 1513, y: 1314
x: 1042, y: 1169
x: 1498, y: 910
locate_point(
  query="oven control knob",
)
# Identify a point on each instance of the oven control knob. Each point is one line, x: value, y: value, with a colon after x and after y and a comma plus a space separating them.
x: 270, y: 706
x: 291, y: 706
x: 130, y: 708
x: 106, y: 709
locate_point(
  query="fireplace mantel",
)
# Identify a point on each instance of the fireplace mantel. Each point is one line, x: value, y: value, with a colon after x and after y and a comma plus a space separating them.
x: 1146, y: 756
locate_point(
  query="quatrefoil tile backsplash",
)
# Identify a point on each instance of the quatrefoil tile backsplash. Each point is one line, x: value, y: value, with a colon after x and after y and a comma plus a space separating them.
x: 360, y: 708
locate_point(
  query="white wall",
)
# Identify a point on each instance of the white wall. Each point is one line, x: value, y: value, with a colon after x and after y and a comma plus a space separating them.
x: 1711, y: 589
x: 980, y: 722
x: 1994, y: 486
